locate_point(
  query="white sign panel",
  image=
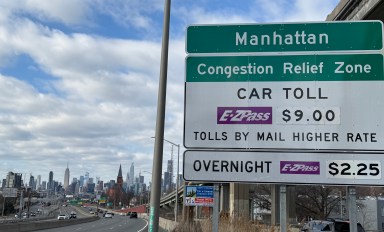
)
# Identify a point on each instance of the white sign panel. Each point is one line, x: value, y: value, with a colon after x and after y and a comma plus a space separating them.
x: 284, y: 167
x: 329, y: 102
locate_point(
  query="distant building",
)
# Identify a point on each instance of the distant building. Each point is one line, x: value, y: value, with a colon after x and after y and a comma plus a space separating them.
x: 38, y: 182
x: 116, y: 191
x: 66, y: 177
x: 50, y: 184
x: 13, y: 180
x: 120, y: 178
x: 86, y: 179
x: 131, y: 175
x: 167, y: 182
x: 44, y: 185
x: 91, y: 188
x: 81, y: 181
x: 32, y: 184
x: 77, y: 188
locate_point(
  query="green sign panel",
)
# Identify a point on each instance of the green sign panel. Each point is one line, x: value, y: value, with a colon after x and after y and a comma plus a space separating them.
x: 291, y: 37
x: 336, y: 67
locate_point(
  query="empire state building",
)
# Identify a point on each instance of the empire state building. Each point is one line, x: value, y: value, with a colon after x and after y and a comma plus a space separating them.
x: 66, y: 178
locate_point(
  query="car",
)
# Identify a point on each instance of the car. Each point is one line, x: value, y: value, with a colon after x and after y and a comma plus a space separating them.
x: 73, y: 215
x: 108, y: 215
x: 32, y: 214
x: 62, y: 217
x: 332, y: 225
x: 133, y: 215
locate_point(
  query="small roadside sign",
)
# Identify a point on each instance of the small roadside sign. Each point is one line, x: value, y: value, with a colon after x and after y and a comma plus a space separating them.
x: 199, y: 195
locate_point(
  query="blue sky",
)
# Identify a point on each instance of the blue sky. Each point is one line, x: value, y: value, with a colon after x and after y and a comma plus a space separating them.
x: 79, y: 78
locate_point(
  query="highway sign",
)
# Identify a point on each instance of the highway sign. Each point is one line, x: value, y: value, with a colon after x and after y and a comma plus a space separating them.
x: 283, y: 167
x: 287, y: 37
x: 330, y: 102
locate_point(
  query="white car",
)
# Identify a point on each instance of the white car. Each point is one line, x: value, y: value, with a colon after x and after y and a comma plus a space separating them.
x: 108, y: 215
x: 62, y: 217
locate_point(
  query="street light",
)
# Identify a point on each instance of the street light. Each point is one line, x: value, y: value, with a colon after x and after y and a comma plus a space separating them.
x: 160, y: 121
x: 177, y: 176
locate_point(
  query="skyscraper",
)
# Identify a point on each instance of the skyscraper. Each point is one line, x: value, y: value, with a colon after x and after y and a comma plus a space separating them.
x: 169, y: 182
x: 38, y: 182
x: 131, y: 175
x: 86, y: 179
x: 32, y: 184
x: 13, y: 180
x: 51, y: 185
x: 66, y: 178
x: 81, y: 181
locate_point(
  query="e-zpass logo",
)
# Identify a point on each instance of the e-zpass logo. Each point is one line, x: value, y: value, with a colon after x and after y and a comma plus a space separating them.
x: 299, y: 167
x: 244, y: 115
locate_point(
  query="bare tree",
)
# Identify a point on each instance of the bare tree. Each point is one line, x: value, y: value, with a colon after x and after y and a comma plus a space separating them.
x: 262, y: 195
x: 315, y: 201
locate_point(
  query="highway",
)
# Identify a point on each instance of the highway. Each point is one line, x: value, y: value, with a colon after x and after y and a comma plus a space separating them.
x: 116, y: 224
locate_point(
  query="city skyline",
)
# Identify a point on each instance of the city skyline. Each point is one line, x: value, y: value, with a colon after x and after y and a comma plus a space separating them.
x: 61, y: 180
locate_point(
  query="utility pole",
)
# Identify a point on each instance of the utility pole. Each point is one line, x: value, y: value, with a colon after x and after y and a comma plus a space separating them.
x: 160, y: 121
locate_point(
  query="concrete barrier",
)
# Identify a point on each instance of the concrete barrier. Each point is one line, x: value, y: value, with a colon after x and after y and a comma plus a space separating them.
x: 44, y: 224
x: 164, y: 224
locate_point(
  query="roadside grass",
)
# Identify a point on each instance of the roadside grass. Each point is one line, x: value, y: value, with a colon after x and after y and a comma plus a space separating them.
x: 227, y: 224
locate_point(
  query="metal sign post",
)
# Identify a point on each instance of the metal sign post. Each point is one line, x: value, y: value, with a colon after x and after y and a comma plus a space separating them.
x: 352, y: 208
x: 283, y: 208
x: 215, y: 213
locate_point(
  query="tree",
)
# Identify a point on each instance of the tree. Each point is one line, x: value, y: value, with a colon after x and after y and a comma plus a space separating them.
x: 8, y: 205
x: 262, y: 196
x: 315, y: 201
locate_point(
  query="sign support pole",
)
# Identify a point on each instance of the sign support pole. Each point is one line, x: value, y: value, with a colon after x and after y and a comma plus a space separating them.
x: 283, y: 208
x: 215, y: 213
x: 352, y: 208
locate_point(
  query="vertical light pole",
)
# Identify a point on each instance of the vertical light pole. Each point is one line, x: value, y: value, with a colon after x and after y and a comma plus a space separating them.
x: 160, y: 120
x: 177, y: 177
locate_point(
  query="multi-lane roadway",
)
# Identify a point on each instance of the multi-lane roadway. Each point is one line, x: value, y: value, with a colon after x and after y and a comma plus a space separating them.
x: 116, y: 224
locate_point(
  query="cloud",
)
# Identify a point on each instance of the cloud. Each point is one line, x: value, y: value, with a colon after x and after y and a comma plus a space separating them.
x: 69, y: 12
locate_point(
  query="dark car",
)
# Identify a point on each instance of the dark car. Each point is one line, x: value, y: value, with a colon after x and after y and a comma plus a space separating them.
x: 73, y: 215
x: 133, y: 215
x: 332, y: 225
